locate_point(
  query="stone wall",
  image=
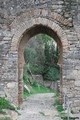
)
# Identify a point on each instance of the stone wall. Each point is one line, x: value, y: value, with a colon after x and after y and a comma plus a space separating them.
x: 17, y: 16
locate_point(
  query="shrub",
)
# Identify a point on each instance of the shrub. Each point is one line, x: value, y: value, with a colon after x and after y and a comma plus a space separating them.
x: 36, y: 69
x: 51, y: 73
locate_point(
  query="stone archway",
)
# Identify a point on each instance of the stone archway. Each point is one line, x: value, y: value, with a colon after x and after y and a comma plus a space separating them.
x: 18, y: 34
x: 25, y: 32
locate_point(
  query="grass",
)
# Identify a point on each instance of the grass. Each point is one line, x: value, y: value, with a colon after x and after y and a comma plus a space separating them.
x: 4, y: 104
x: 65, y: 118
x: 37, y: 88
x: 60, y: 109
x: 58, y: 104
x: 5, y: 118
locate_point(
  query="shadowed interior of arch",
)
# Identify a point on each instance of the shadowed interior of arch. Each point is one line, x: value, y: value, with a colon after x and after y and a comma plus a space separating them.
x: 35, y: 30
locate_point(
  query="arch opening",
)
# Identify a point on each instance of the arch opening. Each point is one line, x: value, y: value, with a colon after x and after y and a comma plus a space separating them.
x: 35, y: 30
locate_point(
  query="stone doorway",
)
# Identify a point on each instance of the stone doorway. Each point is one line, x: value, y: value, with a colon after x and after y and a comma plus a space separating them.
x: 25, y: 33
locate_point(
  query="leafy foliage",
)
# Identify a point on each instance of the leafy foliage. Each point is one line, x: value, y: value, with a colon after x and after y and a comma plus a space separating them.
x: 4, y: 104
x: 25, y: 74
x: 51, y: 69
x: 51, y: 73
x: 36, y: 69
x: 42, y: 54
x: 60, y: 109
x: 34, y: 55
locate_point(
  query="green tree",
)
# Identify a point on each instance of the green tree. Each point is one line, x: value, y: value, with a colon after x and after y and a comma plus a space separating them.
x: 42, y: 54
x: 51, y: 69
x: 34, y: 54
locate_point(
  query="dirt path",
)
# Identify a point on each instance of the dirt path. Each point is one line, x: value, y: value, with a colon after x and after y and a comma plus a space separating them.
x: 39, y: 107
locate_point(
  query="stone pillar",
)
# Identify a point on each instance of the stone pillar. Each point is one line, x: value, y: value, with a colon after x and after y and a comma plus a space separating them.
x: 20, y: 73
x: 11, y: 80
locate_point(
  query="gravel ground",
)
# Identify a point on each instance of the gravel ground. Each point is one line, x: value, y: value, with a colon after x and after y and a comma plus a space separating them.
x: 39, y: 107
